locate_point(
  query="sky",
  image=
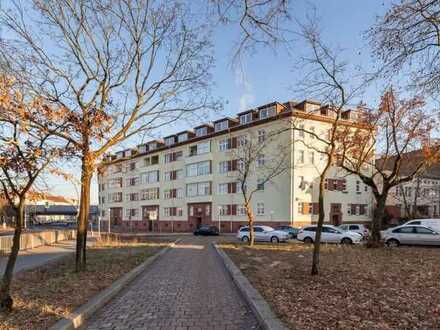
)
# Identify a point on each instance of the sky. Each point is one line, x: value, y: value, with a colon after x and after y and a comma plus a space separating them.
x: 268, y: 75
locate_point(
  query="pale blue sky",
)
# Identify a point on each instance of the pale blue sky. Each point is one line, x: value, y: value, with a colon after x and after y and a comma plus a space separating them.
x: 266, y: 76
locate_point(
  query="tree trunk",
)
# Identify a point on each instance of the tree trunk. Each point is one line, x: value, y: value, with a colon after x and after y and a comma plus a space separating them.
x: 250, y: 216
x: 379, y: 213
x: 321, y: 216
x: 83, y: 216
x: 6, y: 301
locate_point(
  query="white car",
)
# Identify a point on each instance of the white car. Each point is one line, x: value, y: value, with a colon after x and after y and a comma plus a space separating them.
x: 263, y: 234
x: 330, y: 234
x: 411, y: 235
x: 357, y: 228
x: 431, y: 223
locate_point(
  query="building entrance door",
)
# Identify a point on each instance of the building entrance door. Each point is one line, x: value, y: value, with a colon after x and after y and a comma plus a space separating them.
x: 116, y: 215
x: 199, y: 214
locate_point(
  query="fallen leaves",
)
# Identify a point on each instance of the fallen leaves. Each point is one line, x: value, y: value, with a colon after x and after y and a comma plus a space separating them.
x: 357, y: 288
x: 46, y: 294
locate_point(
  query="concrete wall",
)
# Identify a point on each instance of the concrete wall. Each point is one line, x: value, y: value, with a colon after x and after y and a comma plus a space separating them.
x: 35, y: 239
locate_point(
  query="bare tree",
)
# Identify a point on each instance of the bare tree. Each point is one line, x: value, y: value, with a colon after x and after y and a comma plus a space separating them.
x: 400, y: 137
x: 259, y: 160
x: 407, y: 39
x: 25, y: 153
x: 117, y: 68
x: 261, y: 21
x: 326, y: 79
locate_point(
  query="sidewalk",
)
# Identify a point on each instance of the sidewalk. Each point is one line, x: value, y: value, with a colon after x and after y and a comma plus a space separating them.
x: 186, y: 288
x: 41, y: 255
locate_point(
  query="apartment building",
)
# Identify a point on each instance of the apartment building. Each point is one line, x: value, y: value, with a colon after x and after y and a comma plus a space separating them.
x: 188, y: 179
x: 418, y: 198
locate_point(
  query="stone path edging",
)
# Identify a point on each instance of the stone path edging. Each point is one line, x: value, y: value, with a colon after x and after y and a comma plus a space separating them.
x: 259, y: 306
x: 80, y: 315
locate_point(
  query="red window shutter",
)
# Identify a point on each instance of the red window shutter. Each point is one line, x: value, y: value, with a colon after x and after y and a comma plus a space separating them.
x: 233, y: 143
x: 234, y: 209
x: 234, y: 165
x: 228, y: 210
x: 353, y: 209
x: 234, y: 187
x: 362, y: 209
x: 315, y: 207
x: 210, y: 188
x: 210, y: 166
x: 230, y: 188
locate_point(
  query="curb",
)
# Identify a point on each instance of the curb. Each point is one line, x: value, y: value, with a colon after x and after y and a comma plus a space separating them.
x: 77, y: 318
x: 265, y: 316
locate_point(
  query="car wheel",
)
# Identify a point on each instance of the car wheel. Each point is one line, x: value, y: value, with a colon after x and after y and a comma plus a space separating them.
x: 274, y: 239
x: 346, y: 240
x: 245, y: 239
x: 393, y: 242
x: 308, y: 240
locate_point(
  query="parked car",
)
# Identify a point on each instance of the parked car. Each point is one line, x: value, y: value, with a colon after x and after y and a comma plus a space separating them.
x: 431, y: 223
x: 206, y: 230
x: 330, y: 234
x: 292, y: 231
x: 357, y: 228
x: 263, y: 234
x: 411, y: 235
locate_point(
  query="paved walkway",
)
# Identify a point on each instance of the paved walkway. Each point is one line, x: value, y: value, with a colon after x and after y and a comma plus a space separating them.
x: 39, y: 256
x: 186, y: 288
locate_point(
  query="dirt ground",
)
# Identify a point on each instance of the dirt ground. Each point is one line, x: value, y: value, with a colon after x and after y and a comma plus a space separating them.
x: 358, y: 288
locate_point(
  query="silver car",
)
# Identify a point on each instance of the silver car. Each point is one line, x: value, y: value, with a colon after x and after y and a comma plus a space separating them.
x: 411, y: 235
x: 263, y: 234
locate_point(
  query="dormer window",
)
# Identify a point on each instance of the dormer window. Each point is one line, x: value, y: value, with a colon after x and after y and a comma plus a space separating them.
x: 201, y: 131
x: 221, y: 126
x: 169, y: 141
x: 267, y: 112
x: 152, y: 146
x: 182, y: 137
x: 246, y: 118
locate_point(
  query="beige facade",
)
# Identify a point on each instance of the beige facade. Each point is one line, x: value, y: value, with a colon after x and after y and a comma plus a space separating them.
x: 191, y: 177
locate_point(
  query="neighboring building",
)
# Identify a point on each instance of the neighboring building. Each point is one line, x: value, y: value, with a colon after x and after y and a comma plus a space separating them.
x: 419, y: 198
x: 186, y: 179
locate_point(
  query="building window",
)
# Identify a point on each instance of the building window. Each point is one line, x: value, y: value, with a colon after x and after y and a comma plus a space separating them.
x: 261, y: 135
x: 149, y: 194
x: 241, y: 210
x: 260, y: 184
x: 154, y: 160
x: 150, y: 177
x: 268, y: 112
x: 246, y: 118
x: 182, y: 137
x: 260, y: 160
x: 173, y: 156
x: 222, y: 188
x: 312, y: 132
x: 131, y: 213
x: 260, y: 208
x: 220, y: 126
x: 132, y: 197
x: 312, y: 157
x: 170, y: 140
x: 133, y: 181
x: 115, y: 183
x: 224, y: 144
x: 132, y: 166
x: 198, y: 189
x: 197, y: 169
x: 227, y: 166
x: 300, y: 156
x: 173, y: 211
x: 199, y: 149
x: 242, y: 141
x: 201, y: 131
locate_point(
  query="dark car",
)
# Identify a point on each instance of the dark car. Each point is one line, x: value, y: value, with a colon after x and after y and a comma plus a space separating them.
x: 292, y: 231
x: 206, y: 231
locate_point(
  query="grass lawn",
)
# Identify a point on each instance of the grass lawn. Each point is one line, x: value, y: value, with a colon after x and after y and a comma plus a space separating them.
x: 358, y: 288
x: 48, y: 293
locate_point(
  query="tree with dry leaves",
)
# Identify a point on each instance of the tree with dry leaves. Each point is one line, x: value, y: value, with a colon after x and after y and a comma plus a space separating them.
x: 397, y: 146
x: 25, y: 152
x: 117, y: 68
x: 407, y: 40
x: 258, y: 160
